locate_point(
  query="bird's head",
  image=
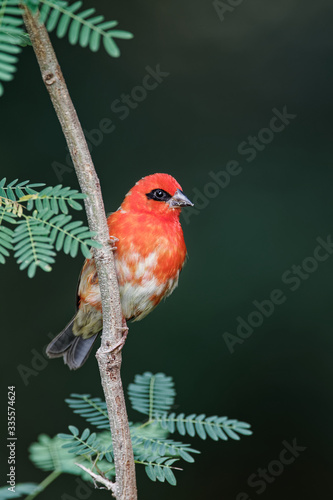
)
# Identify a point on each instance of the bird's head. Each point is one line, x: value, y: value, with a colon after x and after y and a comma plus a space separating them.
x: 157, y: 193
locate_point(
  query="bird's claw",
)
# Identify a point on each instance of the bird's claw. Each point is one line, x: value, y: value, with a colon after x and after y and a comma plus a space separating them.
x: 124, y: 328
x: 119, y: 345
x: 121, y: 342
x: 112, y: 242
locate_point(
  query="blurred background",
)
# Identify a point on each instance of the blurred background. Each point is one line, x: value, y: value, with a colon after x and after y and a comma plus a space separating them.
x: 224, y: 80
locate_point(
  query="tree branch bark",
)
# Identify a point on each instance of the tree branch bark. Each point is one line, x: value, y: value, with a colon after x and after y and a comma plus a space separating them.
x: 109, y: 362
x: 97, y: 478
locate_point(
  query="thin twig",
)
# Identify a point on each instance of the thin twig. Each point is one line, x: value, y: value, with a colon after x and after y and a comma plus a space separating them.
x: 41, y: 487
x: 107, y: 483
x: 109, y: 362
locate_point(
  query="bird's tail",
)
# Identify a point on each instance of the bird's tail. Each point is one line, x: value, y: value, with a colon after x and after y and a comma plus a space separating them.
x: 74, y: 349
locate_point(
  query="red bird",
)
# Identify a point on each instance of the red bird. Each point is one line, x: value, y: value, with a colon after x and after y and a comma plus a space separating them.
x: 149, y: 255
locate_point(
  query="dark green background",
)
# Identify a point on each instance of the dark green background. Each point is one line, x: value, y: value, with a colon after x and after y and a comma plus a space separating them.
x: 225, y: 79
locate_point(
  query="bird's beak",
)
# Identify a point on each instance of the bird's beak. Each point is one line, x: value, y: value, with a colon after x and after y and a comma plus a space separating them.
x: 179, y: 200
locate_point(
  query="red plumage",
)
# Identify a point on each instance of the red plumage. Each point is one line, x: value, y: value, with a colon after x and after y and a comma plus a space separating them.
x: 149, y: 254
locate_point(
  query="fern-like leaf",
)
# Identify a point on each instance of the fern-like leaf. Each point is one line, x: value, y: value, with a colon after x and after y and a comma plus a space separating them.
x: 38, y: 234
x: 32, y: 246
x: 93, y: 410
x: 55, y: 198
x: 84, y: 28
x: 97, y: 448
x: 47, y: 454
x: 14, y: 190
x: 67, y: 235
x: 86, y: 444
x: 58, y: 199
x: 159, y: 468
x: 163, y: 447
x: 6, y: 239
x: 214, y: 427
x: 152, y: 394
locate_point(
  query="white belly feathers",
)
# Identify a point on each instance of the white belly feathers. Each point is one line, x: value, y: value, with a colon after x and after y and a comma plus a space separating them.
x: 140, y: 291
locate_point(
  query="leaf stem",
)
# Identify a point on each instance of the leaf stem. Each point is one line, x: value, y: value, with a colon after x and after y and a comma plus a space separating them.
x: 41, y: 487
x: 159, y: 465
x: 151, y: 397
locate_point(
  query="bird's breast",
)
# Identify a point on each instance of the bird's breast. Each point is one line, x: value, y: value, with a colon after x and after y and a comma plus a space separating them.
x: 149, y: 255
x: 144, y: 281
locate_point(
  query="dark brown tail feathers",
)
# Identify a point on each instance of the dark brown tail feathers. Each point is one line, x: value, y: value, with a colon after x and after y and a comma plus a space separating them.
x: 74, y: 349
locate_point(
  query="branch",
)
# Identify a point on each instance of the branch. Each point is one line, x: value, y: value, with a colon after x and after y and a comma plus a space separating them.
x: 109, y: 361
x: 108, y: 484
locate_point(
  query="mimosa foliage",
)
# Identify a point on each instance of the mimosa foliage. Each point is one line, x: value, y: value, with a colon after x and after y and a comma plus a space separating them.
x: 81, y: 27
x: 34, y: 225
x: 152, y: 395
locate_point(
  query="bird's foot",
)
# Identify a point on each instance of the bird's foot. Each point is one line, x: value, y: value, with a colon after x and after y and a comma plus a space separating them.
x: 113, y: 240
x: 119, y: 345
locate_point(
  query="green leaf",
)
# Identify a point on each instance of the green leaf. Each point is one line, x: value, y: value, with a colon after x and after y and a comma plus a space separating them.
x: 47, y: 454
x: 74, y: 204
x: 63, y: 206
x: 67, y: 244
x: 125, y: 35
x: 150, y: 471
x: 95, y: 40
x: 189, y: 425
x: 32, y: 247
x: 199, y: 427
x: 151, y: 445
x: 159, y: 473
x: 65, y: 436
x: 180, y: 424
x: 85, y: 251
x: 171, y: 422
x: 74, y: 248
x: 214, y: 427
x: 152, y: 394
x: 111, y: 47
x: 53, y: 19
x: 106, y: 25
x: 32, y: 269
x: 85, y: 434
x: 44, y: 12
x: 74, y: 32
x: 169, y: 476
x: 211, y: 432
x: 93, y: 410
x: 73, y: 430
x: 186, y: 456
x: 84, y: 27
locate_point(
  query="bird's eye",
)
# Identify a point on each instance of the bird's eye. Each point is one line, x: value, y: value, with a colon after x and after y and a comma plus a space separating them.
x: 158, y: 195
